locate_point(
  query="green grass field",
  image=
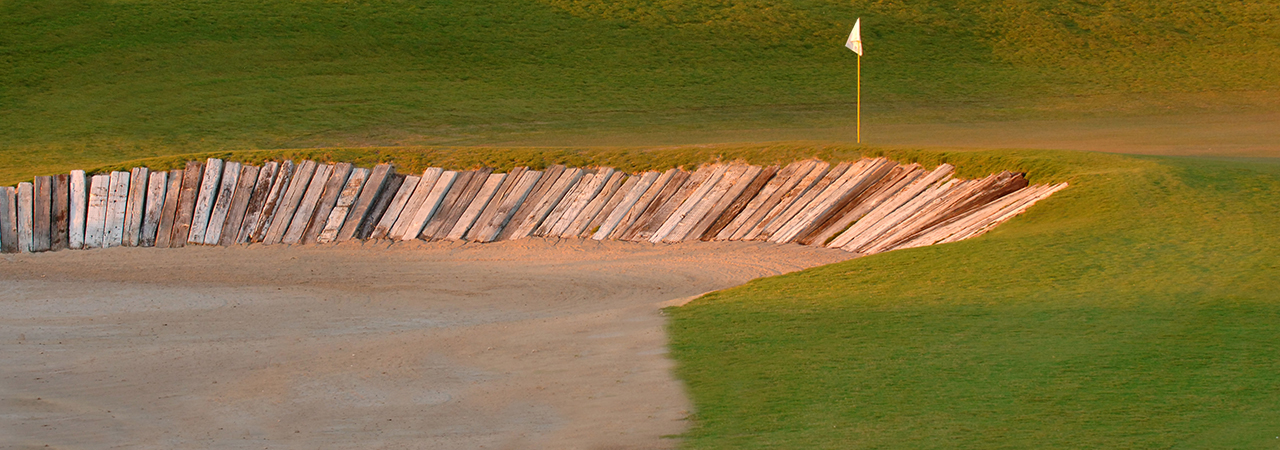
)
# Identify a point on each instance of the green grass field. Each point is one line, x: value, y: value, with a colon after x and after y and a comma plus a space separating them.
x: 1137, y: 309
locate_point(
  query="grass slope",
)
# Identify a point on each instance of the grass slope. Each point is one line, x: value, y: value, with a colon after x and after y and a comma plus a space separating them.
x: 84, y: 82
x: 1136, y: 309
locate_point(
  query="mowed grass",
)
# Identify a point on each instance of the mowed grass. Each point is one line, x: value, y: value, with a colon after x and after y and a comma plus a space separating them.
x: 1140, y: 308
x: 88, y: 82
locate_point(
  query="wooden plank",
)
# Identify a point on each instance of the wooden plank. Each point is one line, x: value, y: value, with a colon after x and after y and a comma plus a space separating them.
x: 78, y: 209
x: 801, y: 203
x: 279, y: 189
x: 42, y: 212
x: 585, y: 198
x: 879, y: 185
x: 117, y: 203
x: 225, y: 194
x: 822, y: 202
x: 257, y: 207
x: 698, y: 204
x: 465, y: 187
x: 379, y: 207
x: 974, y: 218
x: 857, y: 234
x: 157, y: 185
x: 737, y: 200
x: 763, y: 201
x: 373, y: 188
x: 289, y: 201
x: 247, y: 179
x: 332, y: 190
x: 59, y: 226
x: 586, y: 182
x: 415, y: 202
x: 491, y: 209
x: 902, y: 178
x: 734, y: 185
x: 395, y: 207
x: 786, y: 199
x: 169, y: 216
x: 617, y: 216
x: 511, y: 203
x: 667, y: 205
x: 548, y: 202
x: 591, y: 213
x: 192, y: 176
x: 1007, y: 213
x: 430, y: 205
x: 206, y: 196
x: 547, y: 179
x: 652, y: 200
x: 8, y: 220
x: 464, y: 201
x: 342, y: 208
x: 932, y: 202
x: 135, y: 206
x: 96, y: 223
x: 307, y: 206
x: 492, y: 183
x: 26, y: 208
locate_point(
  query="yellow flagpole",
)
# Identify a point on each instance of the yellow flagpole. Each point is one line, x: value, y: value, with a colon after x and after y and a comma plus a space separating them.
x: 859, y: 99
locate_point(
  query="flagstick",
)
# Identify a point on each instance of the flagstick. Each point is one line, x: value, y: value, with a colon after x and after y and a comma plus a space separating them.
x: 859, y: 99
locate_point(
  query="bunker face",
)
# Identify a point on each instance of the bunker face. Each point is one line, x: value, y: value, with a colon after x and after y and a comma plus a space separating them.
x: 524, y: 344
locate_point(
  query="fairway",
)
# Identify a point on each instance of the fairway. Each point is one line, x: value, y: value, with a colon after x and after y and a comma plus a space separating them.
x: 1137, y: 308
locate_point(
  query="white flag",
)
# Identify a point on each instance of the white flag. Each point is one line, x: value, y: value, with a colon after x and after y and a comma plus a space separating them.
x: 855, y: 38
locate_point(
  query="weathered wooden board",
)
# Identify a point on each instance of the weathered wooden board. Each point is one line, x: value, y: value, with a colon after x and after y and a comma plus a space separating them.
x: 931, y: 203
x: 207, y: 195
x: 169, y: 217
x: 380, y: 206
x: 8, y: 220
x: 1007, y: 213
x: 430, y: 205
x: 192, y: 176
x: 332, y: 190
x: 117, y: 203
x: 734, y: 181
x: 396, y: 207
x: 652, y: 200
x: 619, y: 216
x: 42, y: 212
x: 374, y: 188
x: 877, y: 190
x: 592, y: 212
x: 346, y: 199
x: 585, y: 182
x: 548, y: 202
x: 511, y: 203
x: 738, y: 198
x: 59, y: 227
x: 271, y: 204
x: 821, y: 201
x: 760, y: 205
x: 666, y: 205
x: 970, y: 220
x: 26, y: 211
x: 873, y: 177
x: 157, y: 185
x: 547, y: 179
x: 135, y: 206
x: 307, y: 207
x: 415, y: 202
x: 861, y: 231
x: 589, y: 193
x: 802, y: 202
x: 697, y: 205
x: 234, y: 222
x: 289, y: 201
x: 78, y: 209
x: 226, y: 193
x: 465, y: 187
x: 786, y: 199
x: 492, y: 183
x: 491, y: 210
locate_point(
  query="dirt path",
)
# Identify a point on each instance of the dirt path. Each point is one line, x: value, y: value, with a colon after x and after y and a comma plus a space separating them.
x: 526, y: 344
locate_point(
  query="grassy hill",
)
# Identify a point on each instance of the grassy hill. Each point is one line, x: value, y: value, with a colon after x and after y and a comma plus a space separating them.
x: 86, y: 82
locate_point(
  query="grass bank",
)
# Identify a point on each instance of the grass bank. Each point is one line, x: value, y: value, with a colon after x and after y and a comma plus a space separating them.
x: 1137, y: 309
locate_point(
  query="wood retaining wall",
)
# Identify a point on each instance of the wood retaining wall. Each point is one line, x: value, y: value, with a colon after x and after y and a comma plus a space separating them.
x: 866, y: 206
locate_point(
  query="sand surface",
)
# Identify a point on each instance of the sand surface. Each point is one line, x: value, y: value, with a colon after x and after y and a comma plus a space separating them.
x: 526, y: 344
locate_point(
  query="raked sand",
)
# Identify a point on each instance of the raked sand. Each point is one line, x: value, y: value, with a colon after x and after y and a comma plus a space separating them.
x: 536, y: 343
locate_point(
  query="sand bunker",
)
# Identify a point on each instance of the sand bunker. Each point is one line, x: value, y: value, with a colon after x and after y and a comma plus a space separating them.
x: 524, y: 344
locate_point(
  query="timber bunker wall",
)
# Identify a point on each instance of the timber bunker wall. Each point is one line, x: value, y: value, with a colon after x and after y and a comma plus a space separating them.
x: 866, y: 206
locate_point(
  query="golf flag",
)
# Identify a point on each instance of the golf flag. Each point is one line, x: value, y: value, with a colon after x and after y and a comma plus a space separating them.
x: 855, y: 38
